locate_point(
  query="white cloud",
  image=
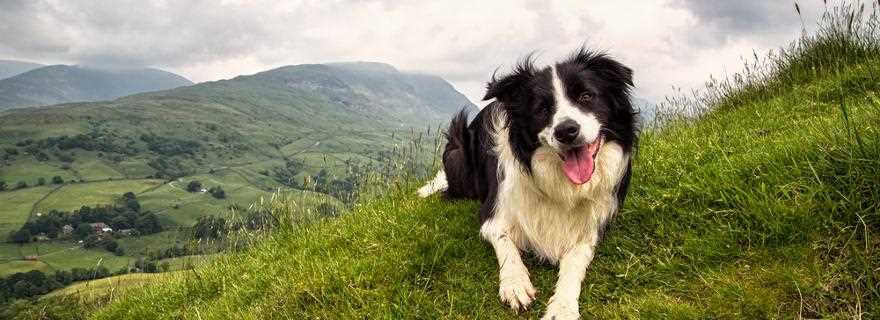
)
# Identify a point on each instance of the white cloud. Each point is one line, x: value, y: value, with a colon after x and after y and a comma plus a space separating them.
x: 667, y: 43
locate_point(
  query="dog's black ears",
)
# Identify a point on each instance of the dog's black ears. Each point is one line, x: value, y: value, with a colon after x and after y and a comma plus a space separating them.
x: 504, y: 88
x: 615, y: 73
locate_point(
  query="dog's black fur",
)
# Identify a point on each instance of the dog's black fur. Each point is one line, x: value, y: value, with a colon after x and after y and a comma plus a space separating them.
x: 525, y: 95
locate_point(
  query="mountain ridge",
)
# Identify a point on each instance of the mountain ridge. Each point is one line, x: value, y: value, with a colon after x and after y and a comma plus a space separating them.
x: 57, y: 84
x: 10, y: 68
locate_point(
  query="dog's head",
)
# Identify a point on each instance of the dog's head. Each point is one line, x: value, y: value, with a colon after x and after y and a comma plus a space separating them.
x: 572, y: 107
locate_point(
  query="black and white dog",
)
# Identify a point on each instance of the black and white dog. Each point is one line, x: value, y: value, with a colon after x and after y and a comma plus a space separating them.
x: 550, y: 161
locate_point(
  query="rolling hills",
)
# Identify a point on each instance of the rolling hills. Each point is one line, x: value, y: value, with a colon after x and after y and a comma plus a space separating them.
x: 306, y: 129
x: 62, y: 83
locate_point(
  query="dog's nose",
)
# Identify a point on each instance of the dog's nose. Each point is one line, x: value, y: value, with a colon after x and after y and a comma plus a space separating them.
x: 567, y: 131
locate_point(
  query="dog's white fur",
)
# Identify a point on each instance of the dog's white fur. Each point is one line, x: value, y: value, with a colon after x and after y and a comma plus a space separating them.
x: 439, y: 183
x: 545, y: 213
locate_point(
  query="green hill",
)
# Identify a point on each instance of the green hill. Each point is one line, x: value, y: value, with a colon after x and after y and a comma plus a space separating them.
x: 9, y: 68
x: 764, y: 206
x: 308, y: 130
x: 61, y: 83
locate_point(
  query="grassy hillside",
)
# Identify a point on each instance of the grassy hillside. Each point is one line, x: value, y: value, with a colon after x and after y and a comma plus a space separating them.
x: 251, y: 135
x: 764, y: 206
x: 61, y: 83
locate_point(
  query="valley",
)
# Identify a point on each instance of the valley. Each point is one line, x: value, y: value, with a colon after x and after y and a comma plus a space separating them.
x: 251, y: 137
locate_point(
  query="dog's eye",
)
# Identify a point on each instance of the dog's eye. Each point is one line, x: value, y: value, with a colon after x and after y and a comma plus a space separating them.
x: 585, y: 97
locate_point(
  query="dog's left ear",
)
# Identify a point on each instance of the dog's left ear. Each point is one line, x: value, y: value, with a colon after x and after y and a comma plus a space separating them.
x: 505, y: 88
x: 618, y: 76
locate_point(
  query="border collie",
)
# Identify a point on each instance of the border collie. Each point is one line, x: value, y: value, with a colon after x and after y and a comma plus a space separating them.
x: 550, y: 161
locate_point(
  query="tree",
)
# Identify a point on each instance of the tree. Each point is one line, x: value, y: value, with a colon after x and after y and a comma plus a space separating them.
x: 217, y: 192
x: 21, y: 236
x: 2, y: 185
x: 120, y: 251
x: 209, y: 227
x: 133, y: 205
x: 63, y: 277
x: 41, y: 181
x: 83, y: 230
x: 111, y: 246
x: 147, y: 223
x: 57, y: 180
x: 194, y: 186
x: 21, y: 185
x: 151, y: 267
x: 91, y: 241
x: 129, y: 196
x: 164, y: 266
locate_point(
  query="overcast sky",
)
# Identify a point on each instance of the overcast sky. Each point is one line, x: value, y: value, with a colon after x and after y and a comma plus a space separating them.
x: 667, y: 42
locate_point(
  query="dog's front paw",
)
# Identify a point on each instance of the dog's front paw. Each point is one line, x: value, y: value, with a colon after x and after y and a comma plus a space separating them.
x: 516, y: 289
x: 561, y: 310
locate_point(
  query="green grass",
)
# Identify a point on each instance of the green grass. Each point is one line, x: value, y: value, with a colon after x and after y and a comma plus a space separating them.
x: 187, y: 262
x: 765, y: 206
x: 30, y: 171
x: 73, y: 196
x: 13, y: 267
x: 65, y: 256
x: 16, y: 207
x: 99, y: 288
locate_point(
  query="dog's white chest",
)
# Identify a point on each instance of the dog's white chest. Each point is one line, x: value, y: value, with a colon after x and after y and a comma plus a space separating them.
x: 547, y: 214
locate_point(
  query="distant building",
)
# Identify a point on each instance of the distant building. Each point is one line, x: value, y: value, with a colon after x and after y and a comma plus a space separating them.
x: 100, y: 227
x: 67, y: 229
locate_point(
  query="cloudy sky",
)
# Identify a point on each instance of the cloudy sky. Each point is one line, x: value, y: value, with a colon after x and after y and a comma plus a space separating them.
x: 667, y: 42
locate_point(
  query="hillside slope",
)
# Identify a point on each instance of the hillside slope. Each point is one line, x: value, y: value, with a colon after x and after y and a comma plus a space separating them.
x: 307, y: 130
x: 9, y: 68
x: 61, y: 83
x: 765, y: 207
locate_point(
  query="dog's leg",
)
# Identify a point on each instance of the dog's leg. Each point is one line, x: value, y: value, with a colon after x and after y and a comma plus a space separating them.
x: 572, y: 269
x: 439, y: 183
x: 515, y: 288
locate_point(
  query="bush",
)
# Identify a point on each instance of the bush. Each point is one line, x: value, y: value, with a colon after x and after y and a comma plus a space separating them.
x: 21, y: 236
x: 194, y: 186
x: 217, y: 192
x: 2, y: 185
x: 41, y: 181
x: 21, y: 185
x: 119, y: 251
x: 111, y: 246
x: 57, y: 180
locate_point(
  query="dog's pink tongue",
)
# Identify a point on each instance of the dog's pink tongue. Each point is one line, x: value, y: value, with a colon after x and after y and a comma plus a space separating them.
x: 579, y: 165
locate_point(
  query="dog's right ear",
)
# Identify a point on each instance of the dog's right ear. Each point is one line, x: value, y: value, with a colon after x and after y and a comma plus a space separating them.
x: 504, y: 88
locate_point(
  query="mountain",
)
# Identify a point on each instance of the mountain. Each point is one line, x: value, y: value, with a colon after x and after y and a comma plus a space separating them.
x: 62, y: 83
x: 303, y: 112
x: 9, y: 68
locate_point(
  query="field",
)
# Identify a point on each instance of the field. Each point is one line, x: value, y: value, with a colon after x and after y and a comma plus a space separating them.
x: 17, y: 207
x: 761, y: 205
x: 100, y: 288
x: 73, y: 196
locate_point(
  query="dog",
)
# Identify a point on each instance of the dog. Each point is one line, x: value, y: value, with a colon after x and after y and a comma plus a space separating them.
x: 550, y: 160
